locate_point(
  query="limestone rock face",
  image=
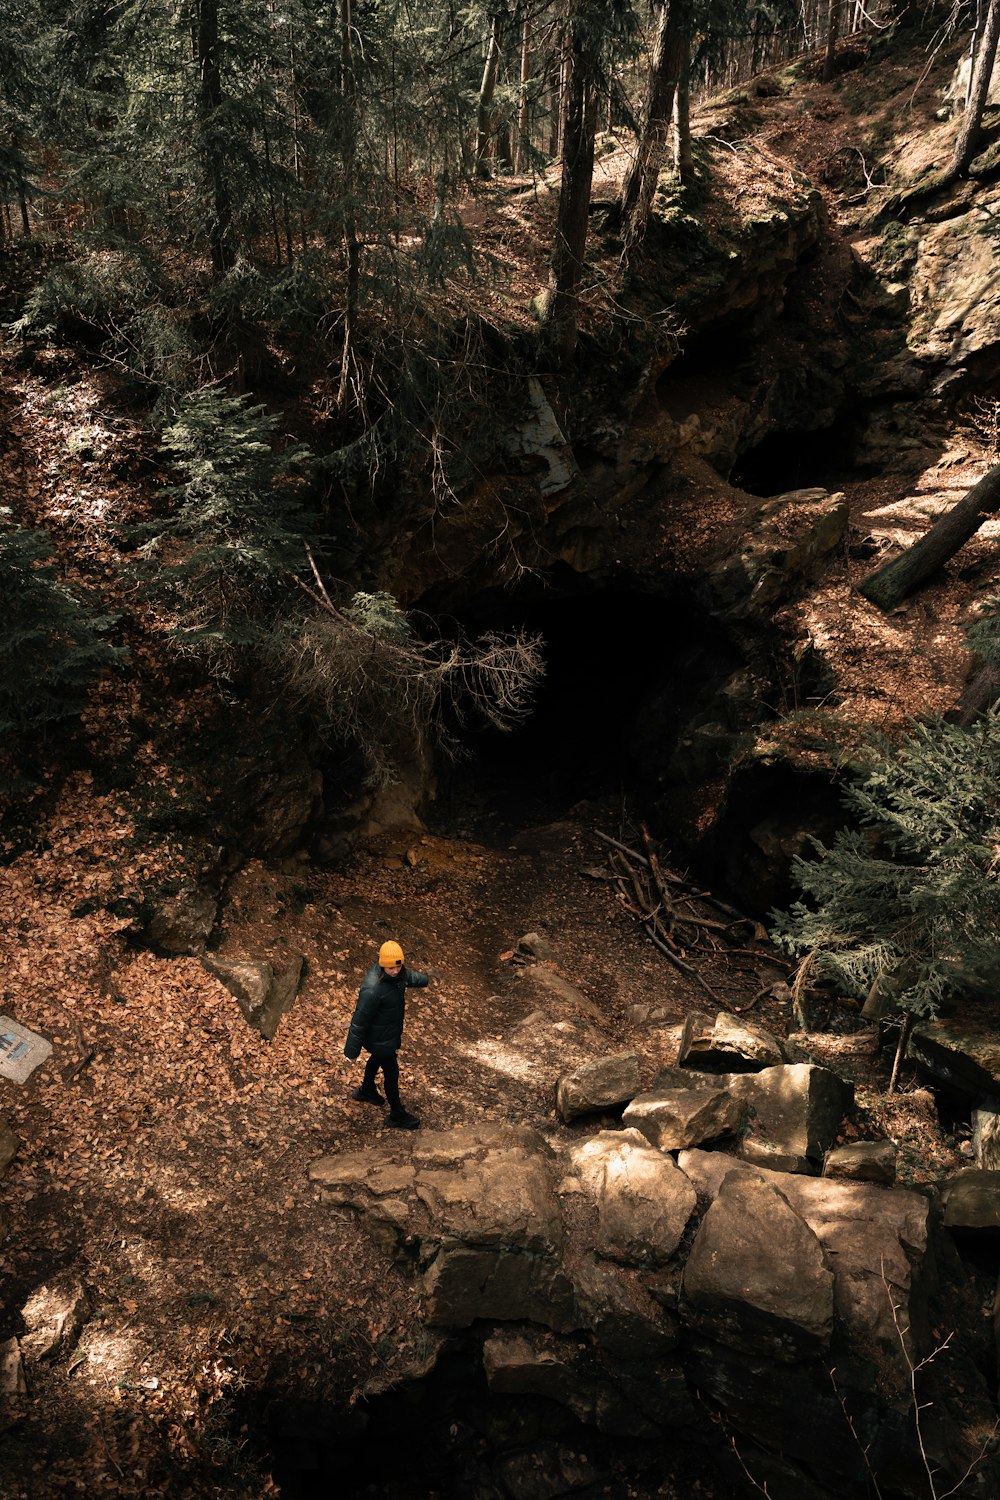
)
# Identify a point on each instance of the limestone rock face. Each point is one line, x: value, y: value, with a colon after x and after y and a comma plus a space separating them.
x: 757, y: 1277
x: 643, y: 1201
x: 672, y: 1118
x: 796, y: 1110
x: 788, y: 537
x: 602, y: 1084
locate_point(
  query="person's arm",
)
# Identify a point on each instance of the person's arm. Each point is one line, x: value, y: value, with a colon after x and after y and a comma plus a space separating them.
x: 416, y: 981
x: 364, y: 1014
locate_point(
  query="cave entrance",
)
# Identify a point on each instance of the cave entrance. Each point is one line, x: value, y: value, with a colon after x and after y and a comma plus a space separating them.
x: 785, y: 461
x: 623, y: 667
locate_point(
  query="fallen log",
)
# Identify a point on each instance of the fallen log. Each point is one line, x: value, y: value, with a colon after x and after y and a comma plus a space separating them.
x: 890, y: 584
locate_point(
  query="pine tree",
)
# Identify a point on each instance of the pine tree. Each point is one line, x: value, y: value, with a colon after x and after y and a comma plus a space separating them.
x: 219, y: 566
x: 907, y: 898
x: 52, y: 648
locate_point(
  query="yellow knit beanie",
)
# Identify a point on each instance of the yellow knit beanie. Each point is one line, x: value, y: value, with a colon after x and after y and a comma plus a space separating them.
x: 389, y: 954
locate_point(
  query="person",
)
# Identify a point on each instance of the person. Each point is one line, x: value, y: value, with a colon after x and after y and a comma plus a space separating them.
x: 377, y: 1026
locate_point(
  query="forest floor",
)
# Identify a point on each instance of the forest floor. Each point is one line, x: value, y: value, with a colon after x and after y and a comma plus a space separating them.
x: 170, y: 1170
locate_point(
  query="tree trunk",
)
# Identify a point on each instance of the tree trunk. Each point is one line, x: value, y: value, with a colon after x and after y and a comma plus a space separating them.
x: 897, y: 579
x: 487, y: 88
x: 352, y: 247
x: 669, y: 50
x: 579, y: 114
x: 683, y: 158
x: 523, y: 103
x: 832, y: 32
x: 210, y: 103
x: 968, y: 136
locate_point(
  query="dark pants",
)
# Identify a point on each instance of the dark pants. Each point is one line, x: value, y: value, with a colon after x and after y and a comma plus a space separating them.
x: 390, y: 1072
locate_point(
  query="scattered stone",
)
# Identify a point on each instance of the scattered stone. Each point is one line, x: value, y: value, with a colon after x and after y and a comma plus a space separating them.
x: 757, y: 1276
x: 672, y: 1118
x: 12, y: 1379
x: 182, y: 923
x: 605, y: 1083
x: 54, y: 1316
x: 538, y: 947
x: 972, y: 1201
x: 552, y: 990
x: 863, y: 1161
x: 796, y: 1110
x: 643, y: 1201
x: 262, y: 994
x: 727, y: 1045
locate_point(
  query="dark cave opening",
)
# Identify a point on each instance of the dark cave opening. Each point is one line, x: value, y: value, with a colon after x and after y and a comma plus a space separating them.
x: 784, y: 461
x: 445, y: 1434
x: 623, y: 668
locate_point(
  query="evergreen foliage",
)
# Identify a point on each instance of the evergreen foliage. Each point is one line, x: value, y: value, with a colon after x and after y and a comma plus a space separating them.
x: 219, y: 565
x: 908, y: 895
x: 52, y: 648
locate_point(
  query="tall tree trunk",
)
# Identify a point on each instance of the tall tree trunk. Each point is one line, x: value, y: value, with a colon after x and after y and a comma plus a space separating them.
x: 210, y: 104
x: 579, y: 114
x: 683, y: 158
x: 892, y: 583
x: 523, y: 102
x: 968, y: 136
x: 487, y: 89
x: 832, y: 32
x: 352, y: 247
x: 669, y: 50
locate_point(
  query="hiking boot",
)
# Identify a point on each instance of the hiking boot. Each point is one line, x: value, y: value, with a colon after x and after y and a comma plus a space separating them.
x: 367, y: 1096
x: 404, y: 1121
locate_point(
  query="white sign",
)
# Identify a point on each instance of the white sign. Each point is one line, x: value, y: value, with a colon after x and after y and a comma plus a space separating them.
x: 21, y: 1050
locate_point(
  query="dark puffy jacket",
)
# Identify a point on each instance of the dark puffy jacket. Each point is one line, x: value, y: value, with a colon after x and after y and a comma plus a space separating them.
x: 377, y: 1023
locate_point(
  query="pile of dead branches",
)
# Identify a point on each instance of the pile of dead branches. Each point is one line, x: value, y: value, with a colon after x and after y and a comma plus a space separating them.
x: 671, y: 911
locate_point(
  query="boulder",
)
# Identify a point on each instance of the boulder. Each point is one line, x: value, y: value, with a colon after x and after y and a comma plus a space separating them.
x: 863, y: 1161
x: 796, y: 1110
x: 181, y: 923
x: 972, y: 1201
x: 672, y: 1118
x: 757, y: 1277
x: 604, y: 1083
x: 878, y: 1243
x: 477, y: 1206
x: 262, y: 993
x: 626, y: 1322
x: 54, y: 1317
x: 727, y: 1045
x: 643, y: 1201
